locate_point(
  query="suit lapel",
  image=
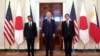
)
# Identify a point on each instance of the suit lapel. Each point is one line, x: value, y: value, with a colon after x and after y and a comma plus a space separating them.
x: 69, y: 24
x: 28, y: 25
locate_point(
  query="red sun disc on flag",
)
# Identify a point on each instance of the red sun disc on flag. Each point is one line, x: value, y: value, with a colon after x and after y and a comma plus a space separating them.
x: 19, y: 23
x: 83, y: 23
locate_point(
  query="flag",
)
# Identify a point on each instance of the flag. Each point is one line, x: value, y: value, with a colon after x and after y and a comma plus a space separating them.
x: 94, y: 25
x: 73, y: 17
x: 19, y: 26
x: 8, y: 26
x: 28, y: 10
x: 83, y: 27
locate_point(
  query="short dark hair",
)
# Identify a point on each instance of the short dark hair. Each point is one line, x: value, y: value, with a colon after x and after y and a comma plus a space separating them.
x: 67, y: 15
x: 29, y: 16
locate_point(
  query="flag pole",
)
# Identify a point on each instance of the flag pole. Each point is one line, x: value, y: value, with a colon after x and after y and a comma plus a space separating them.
x: 99, y: 22
x: 84, y: 48
x: 98, y: 47
x: 9, y: 48
x: 17, y: 48
x: 10, y: 45
x: 4, y: 43
x: 73, y: 50
x: 95, y: 48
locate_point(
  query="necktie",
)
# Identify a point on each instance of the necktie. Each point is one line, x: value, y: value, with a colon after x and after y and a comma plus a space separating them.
x: 49, y: 21
x: 30, y: 24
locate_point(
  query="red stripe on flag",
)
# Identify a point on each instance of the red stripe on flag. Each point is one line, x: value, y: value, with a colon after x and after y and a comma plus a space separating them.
x: 8, y: 23
x: 9, y: 36
x: 76, y: 37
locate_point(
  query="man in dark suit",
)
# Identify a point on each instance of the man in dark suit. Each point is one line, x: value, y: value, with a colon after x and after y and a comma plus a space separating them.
x: 30, y: 32
x: 67, y: 33
x: 48, y: 32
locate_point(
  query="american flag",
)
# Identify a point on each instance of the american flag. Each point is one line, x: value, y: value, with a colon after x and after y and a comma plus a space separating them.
x: 9, y: 27
x: 31, y: 12
x: 73, y: 17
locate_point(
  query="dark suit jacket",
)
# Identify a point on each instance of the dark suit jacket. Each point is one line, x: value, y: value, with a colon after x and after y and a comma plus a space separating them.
x: 30, y: 32
x: 48, y: 28
x: 67, y: 30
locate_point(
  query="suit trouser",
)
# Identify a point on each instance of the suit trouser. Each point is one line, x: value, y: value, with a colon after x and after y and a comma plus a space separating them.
x: 30, y: 46
x: 68, y: 45
x: 49, y: 44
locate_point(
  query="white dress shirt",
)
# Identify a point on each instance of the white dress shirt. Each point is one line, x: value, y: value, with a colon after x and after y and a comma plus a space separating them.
x: 67, y: 21
x: 30, y: 24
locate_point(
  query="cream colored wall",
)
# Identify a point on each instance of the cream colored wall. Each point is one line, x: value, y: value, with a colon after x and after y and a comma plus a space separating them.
x: 2, y: 15
x: 35, y: 9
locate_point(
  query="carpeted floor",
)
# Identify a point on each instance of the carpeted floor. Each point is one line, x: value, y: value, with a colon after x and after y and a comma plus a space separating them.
x: 43, y: 54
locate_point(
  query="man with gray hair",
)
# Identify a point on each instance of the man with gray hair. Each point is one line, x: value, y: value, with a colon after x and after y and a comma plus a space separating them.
x: 48, y: 32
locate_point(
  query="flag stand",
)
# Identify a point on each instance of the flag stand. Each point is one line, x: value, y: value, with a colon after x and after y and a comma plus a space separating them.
x: 18, y: 49
x: 96, y: 48
x: 9, y: 49
x: 73, y: 50
x: 84, y: 48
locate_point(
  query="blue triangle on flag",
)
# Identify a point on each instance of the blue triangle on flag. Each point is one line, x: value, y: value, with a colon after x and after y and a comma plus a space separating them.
x: 72, y: 13
x: 31, y: 12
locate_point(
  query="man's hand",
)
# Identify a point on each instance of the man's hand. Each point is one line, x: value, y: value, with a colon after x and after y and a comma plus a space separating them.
x: 43, y: 35
x: 62, y: 38
x: 53, y: 35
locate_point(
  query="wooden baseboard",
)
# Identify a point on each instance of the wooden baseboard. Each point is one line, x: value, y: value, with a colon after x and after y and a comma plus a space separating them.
x: 36, y: 50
